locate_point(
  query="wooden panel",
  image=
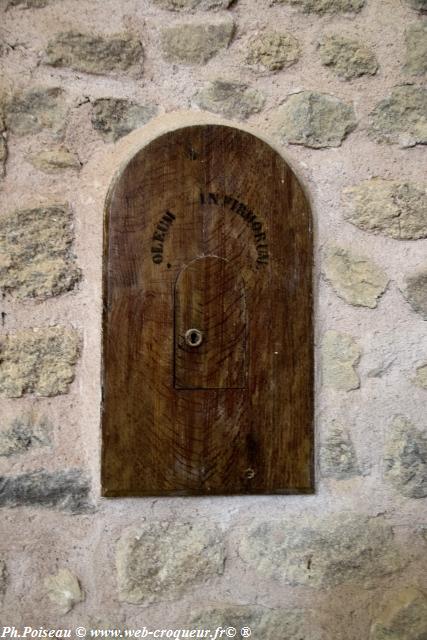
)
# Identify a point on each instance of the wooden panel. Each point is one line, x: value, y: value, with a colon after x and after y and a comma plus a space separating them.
x: 190, y: 195
x: 210, y: 326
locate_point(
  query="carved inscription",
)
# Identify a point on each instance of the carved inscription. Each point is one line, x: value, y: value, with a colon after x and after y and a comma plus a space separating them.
x: 251, y: 219
x: 159, y: 236
x: 234, y: 205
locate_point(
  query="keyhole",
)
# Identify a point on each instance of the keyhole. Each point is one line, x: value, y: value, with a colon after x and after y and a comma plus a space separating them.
x: 193, y: 337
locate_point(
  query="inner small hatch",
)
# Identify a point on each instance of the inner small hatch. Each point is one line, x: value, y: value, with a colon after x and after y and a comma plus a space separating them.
x: 210, y: 326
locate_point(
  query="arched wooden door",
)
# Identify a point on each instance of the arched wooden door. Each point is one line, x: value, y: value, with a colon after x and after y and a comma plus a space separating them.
x: 207, y: 330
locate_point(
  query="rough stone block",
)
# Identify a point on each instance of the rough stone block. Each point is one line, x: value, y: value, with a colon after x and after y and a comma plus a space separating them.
x: 420, y: 379
x: 315, y: 120
x: 390, y: 208
x: 415, y: 291
x: 401, y: 118
x: 25, y: 433
x: 28, y: 4
x: 326, y: 6
x: 36, y: 257
x: 273, y: 50
x: 354, y: 278
x: 347, y: 58
x: 230, y: 99
x: 52, y: 160
x: 36, y: 109
x: 115, y: 118
x: 64, y: 590
x: 163, y: 560
x: 3, y: 141
x: 416, y: 48
x: 65, y: 490
x: 3, y: 155
x: 196, y: 42
x: 405, y: 458
x: 340, y: 355
x: 3, y: 579
x: 322, y: 552
x: 419, y: 5
x: 188, y: 5
x: 39, y: 361
x: 338, y: 457
x: 402, y: 617
x: 94, y: 53
x: 265, y: 623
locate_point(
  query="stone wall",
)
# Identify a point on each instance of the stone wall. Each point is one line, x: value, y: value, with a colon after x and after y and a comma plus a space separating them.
x: 337, y: 87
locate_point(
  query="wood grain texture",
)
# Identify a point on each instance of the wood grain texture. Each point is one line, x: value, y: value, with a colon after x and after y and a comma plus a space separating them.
x: 210, y: 298
x: 207, y: 226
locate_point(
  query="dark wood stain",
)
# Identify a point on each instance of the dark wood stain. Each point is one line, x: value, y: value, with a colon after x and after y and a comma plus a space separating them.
x: 207, y: 228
